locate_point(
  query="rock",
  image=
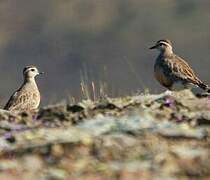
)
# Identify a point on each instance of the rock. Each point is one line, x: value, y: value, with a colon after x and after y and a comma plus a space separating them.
x: 162, y: 136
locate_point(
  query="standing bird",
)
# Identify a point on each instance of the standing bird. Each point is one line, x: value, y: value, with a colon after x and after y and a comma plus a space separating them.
x: 27, y: 97
x: 173, y: 72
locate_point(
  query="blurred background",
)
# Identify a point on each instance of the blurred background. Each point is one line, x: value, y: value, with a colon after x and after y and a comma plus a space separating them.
x: 98, y: 40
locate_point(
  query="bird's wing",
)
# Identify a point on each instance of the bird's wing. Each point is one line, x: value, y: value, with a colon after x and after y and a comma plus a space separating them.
x: 16, y: 100
x: 181, y: 70
x: 11, y: 100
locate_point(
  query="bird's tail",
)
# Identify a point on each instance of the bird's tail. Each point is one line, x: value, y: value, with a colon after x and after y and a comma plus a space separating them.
x: 203, y: 86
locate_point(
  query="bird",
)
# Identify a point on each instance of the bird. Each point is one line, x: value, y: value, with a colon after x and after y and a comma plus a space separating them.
x: 173, y: 72
x: 27, y: 97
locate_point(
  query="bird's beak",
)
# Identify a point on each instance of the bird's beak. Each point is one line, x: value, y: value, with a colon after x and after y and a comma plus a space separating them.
x: 153, y: 47
x: 41, y: 73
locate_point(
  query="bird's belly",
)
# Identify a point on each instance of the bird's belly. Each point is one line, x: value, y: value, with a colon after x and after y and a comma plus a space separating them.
x: 36, y: 100
x: 179, y: 85
x: 162, y: 78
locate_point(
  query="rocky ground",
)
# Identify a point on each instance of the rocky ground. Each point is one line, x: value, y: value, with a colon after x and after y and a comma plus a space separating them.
x: 140, y: 137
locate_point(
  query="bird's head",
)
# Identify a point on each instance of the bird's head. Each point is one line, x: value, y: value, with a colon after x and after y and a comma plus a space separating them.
x: 31, y: 72
x: 163, y: 45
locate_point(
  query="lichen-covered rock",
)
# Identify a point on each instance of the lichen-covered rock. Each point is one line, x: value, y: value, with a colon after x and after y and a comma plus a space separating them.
x: 164, y: 136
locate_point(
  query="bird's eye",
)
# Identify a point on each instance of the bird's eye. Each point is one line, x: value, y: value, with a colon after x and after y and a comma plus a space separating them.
x: 32, y: 69
x: 161, y: 44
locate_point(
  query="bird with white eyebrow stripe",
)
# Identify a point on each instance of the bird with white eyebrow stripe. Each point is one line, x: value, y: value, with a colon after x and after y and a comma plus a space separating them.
x: 173, y: 72
x: 27, y: 97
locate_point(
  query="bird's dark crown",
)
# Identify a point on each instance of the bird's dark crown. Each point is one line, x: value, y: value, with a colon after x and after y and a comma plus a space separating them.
x: 164, y: 41
x: 28, y: 67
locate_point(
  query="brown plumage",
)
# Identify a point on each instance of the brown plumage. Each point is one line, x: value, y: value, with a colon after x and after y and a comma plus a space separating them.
x: 27, y: 97
x: 170, y: 69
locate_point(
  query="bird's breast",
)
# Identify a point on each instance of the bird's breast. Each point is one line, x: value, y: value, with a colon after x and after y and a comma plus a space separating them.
x: 161, y: 76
